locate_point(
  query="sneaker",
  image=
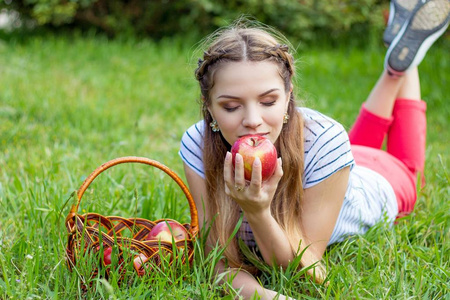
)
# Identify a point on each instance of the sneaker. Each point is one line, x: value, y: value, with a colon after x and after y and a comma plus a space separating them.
x: 417, y: 35
x: 399, y: 13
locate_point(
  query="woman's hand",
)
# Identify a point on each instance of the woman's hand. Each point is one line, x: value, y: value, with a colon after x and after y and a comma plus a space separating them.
x: 246, y: 284
x: 255, y: 196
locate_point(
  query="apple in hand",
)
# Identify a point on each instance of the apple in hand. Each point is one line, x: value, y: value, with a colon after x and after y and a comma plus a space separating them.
x: 252, y: 146
x: 165, y: 230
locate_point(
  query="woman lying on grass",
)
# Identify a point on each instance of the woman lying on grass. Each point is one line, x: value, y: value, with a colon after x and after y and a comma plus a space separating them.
x: 327, y: 184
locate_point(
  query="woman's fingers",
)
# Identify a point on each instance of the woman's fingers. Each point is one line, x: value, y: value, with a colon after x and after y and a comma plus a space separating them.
x: 255, y: 183
x: 228, y: 167
x: 270, y: 185
x: 228, y: 172
x: 254, y: 191
x: 239, y: 179
x: 278, y: 171
x: 234, y: 175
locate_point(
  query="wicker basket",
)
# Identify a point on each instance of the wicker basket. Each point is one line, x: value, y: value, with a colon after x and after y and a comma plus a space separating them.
x: 88, y: 231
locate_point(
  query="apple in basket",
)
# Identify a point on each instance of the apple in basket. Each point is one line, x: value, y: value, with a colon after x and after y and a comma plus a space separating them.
x: 166, y: 230
x: 139, y: 260
x: 252, y: 146
x: 107, y: 255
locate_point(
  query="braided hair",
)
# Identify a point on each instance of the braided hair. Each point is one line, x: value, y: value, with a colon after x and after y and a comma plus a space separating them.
x: 243, y: 44
x: 239, y: 44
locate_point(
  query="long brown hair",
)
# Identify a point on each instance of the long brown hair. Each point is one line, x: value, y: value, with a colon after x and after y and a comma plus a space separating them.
x: 242, y: 43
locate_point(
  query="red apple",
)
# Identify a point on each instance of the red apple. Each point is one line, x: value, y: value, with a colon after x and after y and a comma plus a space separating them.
x: 252, y: 146
x: 107, y: 255
x: 166, y: 230
x: 139, y: 260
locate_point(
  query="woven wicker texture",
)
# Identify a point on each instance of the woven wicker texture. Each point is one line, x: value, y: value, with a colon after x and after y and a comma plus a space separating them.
x: 129, y: 235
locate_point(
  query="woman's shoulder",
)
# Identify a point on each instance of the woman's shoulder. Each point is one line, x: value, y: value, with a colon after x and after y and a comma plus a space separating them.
x: 195, y: 132
x: 191, y: 148
x: 316, y: 120
x: 326, y: 146
x: 319, y: 127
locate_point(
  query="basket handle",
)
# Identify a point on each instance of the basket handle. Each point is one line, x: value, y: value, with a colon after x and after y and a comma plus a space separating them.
x: 142, y: 160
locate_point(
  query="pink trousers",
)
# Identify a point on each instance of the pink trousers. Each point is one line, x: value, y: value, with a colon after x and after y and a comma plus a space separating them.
x: 404, y: 158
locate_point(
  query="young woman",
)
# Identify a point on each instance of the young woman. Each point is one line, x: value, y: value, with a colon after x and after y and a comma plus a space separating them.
x: 343, y: 182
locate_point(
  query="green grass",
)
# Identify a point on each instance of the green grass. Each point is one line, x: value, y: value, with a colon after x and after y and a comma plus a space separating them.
x: 69, y: 104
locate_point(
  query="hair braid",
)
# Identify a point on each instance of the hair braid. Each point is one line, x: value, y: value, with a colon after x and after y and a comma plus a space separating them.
x: 281, y: 54
x: 209, y: 58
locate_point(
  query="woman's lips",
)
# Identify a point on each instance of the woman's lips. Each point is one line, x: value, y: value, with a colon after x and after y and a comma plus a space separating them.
x: 260, y: 134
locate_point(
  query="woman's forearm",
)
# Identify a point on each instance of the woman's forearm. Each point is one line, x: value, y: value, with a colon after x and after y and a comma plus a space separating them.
x: 275, y: 247
x: 271, y: 239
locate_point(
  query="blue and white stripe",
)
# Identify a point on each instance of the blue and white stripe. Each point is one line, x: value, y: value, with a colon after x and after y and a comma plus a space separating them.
x: 327, y: 148
x: 191, y: 150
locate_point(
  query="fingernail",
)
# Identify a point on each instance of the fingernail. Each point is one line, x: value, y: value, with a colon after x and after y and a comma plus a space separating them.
x: 228, y: 156
x: 257, y: 161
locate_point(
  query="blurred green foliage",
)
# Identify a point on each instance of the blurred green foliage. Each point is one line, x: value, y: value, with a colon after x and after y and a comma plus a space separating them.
x: 303, y: 19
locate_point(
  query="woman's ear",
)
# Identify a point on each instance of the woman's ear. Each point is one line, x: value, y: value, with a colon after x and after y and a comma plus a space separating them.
x: 212, y: 116
x: 209, y: 110
x: 286, y: 106
x: 289, y: 96
x: 205, y: 107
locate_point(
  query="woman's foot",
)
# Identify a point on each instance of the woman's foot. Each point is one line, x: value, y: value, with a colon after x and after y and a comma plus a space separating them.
x: 418, y: 33
x: 399, y: 12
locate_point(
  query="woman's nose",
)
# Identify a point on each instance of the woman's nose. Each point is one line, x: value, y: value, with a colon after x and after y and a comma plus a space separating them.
x: 252, y: 118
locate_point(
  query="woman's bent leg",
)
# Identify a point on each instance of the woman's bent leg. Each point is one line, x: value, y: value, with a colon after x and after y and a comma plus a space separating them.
x: 407, y: 134
x: 369, y: 129
x: 375, y: 117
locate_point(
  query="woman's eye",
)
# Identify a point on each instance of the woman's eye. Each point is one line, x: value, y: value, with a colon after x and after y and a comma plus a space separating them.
x: 230, y: 109
x: 269, y: 103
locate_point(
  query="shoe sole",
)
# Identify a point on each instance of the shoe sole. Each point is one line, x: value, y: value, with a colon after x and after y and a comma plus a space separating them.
x: 410, y: 46
x: 398, y: 15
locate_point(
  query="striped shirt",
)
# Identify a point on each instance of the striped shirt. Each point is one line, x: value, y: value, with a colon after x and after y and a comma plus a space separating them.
x: 369, y: 198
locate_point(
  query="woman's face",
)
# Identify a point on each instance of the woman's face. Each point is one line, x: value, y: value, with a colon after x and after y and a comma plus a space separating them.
x: 248, y: 98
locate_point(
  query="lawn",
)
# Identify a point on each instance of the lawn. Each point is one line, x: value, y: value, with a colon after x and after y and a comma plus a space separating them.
x: 70, y: 103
